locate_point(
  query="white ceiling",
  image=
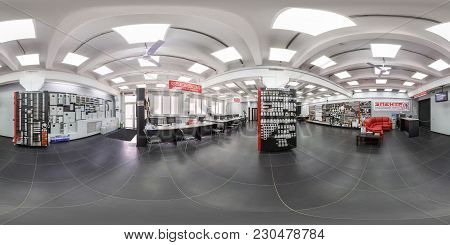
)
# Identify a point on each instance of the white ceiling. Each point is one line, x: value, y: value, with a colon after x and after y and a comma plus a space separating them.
x: 63, y: 25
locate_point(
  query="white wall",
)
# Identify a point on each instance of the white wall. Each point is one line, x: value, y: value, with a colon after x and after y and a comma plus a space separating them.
x: 440, y: 116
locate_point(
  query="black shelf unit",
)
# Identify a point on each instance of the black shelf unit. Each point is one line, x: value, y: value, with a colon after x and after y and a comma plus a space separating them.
x: 277, y: 124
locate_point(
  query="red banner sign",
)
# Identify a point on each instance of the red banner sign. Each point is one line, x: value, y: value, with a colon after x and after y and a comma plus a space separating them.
x: 237, y: 100
x: 189, y: 87
x: 391, y: 106
x: 420, y: 94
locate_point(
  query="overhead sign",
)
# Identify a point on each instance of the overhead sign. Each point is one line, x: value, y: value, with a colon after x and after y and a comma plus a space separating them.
x: 391, y: 106
x: 420, y: 94
x: 237, y: 100
x: 189, y: 87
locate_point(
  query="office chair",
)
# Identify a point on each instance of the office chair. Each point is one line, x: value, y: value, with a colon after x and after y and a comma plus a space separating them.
x: 187, y: 138
x: 153, y: 140
x: 219, y: 130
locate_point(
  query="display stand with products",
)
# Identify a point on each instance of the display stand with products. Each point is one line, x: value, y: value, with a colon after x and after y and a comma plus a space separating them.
x: 277, y: 120
x: 346, y: 115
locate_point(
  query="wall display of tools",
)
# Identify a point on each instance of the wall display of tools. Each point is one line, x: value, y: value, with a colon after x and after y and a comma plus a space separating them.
x: 277, y: 124
x: 347, y: 115
x: 31, y: 118
x: 39, y: 115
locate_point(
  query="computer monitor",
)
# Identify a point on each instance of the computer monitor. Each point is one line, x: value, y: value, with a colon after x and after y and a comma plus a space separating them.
x: 236, y: 115
x: 201, y: 119
x: 216, y: 117
x: 171, y: 120
x: 153, y: 120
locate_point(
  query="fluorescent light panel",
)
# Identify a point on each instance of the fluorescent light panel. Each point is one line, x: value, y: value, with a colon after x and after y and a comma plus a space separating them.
x: 419, y: 75
x: 145, y: 63
x: 227, y: 54
x: 381, y: 81
x: 343, y: 75
x: 408, y: 84
x: 310, y: 21
x: 216, y: 88
x: 310, y: 93
x: 74, y: 59
x: 323, y: 62
x: 439, y: 65
x: 388, y: 90
x: 402, y: 91
x: 198, y: 68
x: 249, y: 82
x: 353, y: 83
x: 241, y: 91
x: 231, y: 85
x: 118, y: 80
x: 103, y: 70
x: 322, y: 89
x: 150, y: 76
x: 373, y: 90
x: 123, y: 87
x: 442, y: 30
x: 184, y: 79
x: 141, y: 85
x: 293, y: 84
x: 384, y: 50
x: 310, y: 86
x: 160, y: 85
x: 357, y: 90
x: 142, y: 33
x: 28, y: 59
x: 12, y: 30
x: 279, y: 54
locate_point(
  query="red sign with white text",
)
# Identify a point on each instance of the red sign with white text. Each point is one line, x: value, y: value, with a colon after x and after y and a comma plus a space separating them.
x: 189, y: 87
x: 237, y: 100
x: 391, y: 106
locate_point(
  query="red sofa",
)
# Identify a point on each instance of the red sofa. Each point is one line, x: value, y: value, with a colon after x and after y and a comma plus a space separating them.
x: 378, y: 124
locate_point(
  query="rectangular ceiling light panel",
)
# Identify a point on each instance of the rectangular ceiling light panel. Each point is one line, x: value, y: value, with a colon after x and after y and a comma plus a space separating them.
x: 150, y: 76
x: 373, y: 90
x: 249, y: 82
x: 12, y: 30
x: 323, y: 62
x: 439, y: 65
x: 198, y: 68
x: 74, y: 59
x: 408, y: 84
x: 419, y: 75
x: 384, y: 50
x: 28, y: 59
x: 279, y: 54
x: 103, y: 70
x: 231, y: 85
x: 310, y: 86
x: 118, y: 80
x: 353, y: 83
x: 343, y: 75
x: 184, y: 79
x: 123, y: 87
x: 145, y: 63
x: 293, y: 84
x: 381, y: 81
x: 388, y: 89
x: 142, y: 33
x: 141, y: 85
x: 442, y: 30
x: 160, y: 85
x: 227, y: 55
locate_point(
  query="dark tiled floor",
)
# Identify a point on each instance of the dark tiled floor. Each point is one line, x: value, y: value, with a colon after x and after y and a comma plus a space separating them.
x: 326, y: 180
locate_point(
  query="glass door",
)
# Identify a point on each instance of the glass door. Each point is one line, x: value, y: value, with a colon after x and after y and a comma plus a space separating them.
x: 130, y: 115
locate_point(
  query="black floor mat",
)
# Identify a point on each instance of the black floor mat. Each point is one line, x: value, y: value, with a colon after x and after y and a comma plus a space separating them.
x: 123, y: 134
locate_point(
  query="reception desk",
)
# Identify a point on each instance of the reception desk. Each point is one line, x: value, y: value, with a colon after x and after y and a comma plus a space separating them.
x: 172, y: 133
x: 410, y: 125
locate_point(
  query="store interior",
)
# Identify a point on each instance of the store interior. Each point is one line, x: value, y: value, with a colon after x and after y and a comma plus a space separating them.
x: 254, y: 112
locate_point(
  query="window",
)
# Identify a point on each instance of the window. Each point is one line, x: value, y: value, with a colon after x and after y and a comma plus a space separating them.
x: 174, y: 105
x: 204, y: 107
x: 191, y: 106
x: 166, y: 104
x: 220, y: 107
x: 199, y: 106
x: 157, y: 107
x: 130, y: 99
x: 213, y: 107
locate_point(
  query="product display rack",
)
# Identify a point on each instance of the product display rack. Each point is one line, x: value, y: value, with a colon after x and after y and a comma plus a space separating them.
x: 346, y: 115
x: 277, y: 120
x: 31, y: 118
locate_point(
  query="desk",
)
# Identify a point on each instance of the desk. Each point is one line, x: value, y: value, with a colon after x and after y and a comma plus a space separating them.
x: 225, y: 122
x: 410, y: 125
x: 171, y: 133
x: 365, y: 137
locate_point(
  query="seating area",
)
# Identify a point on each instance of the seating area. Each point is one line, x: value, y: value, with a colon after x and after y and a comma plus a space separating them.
x: 378, y: 124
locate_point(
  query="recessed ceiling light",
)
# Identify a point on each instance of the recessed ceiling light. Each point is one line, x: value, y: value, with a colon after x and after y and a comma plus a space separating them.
x: 293, y: 84
x: 160, y: 85
x: 318, y: 97
x: 28, y: 59
x: 231, y: 85
x: 326, y: 95
x: 388, y: 89
x: 227, y: 54
x: 442, y: 30
x: 142, y: 33
x: 310, y: 93
x: 74, y: 59
x: 184, y: 79
x: 419, y: 75
x: 279, y: 54
x: 241, y: 91
x: 323, y: 62
x: 373, y: 90
x: 384, y: 50
x: 300, y: 97
x: 216, y: 88
x: 343, y: 75
x: 322, y: 89
x: 357, y: 90
x: 150, y: 76
x: 385, y: 70
x: 118, y: 80
x: 439, y: 65
x: 141, y: 85
x: 381, y: 81
x: 353, y: 83
x: 249, y: 82
x: 408, y: 84
x: 402, y: 91
x: 198, y: 68
x: 255, y: 91
x: 123, y: 87
x: 103, y: 70
x: 310, y: 86
x: 145, y: 63
x: 299, y: 92
x: 310, y: 21
x: 16, y: 30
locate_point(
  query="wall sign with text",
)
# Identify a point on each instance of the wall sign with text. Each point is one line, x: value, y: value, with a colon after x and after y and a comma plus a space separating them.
x: 392, y: 106
x: 189, y: 87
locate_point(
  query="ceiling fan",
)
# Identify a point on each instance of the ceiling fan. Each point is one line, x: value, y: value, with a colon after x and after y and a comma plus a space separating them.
x: 151, y: 51
x: 384, y: 70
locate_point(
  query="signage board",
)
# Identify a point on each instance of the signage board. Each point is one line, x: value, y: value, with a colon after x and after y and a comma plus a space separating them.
x: 392, y: 106
x: 189, y: 87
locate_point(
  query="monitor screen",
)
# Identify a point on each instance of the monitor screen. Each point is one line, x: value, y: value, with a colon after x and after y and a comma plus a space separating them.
x: 441, y: 96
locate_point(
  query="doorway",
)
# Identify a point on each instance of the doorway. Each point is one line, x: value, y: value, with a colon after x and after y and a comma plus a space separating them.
x: 130, y: 115
x: 252, y: 114
x: 425, y: 113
